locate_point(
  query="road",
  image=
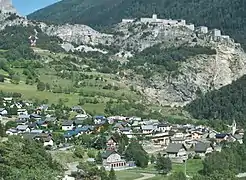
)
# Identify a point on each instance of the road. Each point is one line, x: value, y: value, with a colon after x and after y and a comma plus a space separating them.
x: 146, y: 176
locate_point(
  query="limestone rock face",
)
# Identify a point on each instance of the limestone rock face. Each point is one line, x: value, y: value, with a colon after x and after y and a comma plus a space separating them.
x: 199, y: 74
x: 79, y: 34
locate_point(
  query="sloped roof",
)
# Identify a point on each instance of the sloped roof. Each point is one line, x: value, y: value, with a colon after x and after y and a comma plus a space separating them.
x: 22, y: 127
x: 107, y: 153
x: 67, y: 123
x: 174, y: 148
x: 221, y: 135
x: 202, y: 147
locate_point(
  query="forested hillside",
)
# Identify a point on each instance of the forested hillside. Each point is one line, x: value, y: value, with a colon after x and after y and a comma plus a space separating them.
x: 23, y: 159
x: 227, y: 103
x: 227, y: 15
x: 15, y: 40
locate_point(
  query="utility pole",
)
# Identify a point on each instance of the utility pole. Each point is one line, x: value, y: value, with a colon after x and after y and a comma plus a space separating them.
x: 185, y: 166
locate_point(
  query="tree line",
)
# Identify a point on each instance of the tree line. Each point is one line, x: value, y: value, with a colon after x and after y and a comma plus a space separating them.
x: 227, y: 103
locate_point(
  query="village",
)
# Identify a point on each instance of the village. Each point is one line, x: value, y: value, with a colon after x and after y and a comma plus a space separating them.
x: 179, y: 142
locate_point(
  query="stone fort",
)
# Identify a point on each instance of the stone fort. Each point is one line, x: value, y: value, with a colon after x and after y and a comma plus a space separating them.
x: 170, y: 22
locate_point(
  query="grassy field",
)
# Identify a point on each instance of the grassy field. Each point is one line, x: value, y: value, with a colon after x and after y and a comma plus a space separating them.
x: 192, y: 168
x: 127, y: 175
x: 30, y: 92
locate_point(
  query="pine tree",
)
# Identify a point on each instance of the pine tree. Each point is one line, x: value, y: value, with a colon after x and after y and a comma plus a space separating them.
x: 99, y: 158
x: 2, y: 131
x: 112, y: 175
x: 103, y: 174
x: 163, y: 165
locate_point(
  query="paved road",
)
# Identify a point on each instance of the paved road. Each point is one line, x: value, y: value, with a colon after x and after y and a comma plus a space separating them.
x: 146, y: 176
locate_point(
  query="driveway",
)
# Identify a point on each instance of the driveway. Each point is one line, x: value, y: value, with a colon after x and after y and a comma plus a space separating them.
x: 145, y: 176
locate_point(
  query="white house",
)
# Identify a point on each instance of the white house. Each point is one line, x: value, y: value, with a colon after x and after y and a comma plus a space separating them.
x: 147, y: 129
x: 12, y: 131
x: 22, y: 112
x: 48, y: 141
x: 3, y: 111
x: 164, y: 127
x: 67, y: 125
x: 7, y: 99
x: 22, y: 128
x: 112, y: 159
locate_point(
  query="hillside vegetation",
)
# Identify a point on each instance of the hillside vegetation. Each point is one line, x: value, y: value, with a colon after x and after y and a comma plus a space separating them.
x: 227, y: 103
x: 19, y: 159
x: 229, y: 16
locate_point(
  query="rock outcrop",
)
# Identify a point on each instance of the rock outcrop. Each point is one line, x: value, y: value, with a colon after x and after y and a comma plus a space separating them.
x: 198, y: 74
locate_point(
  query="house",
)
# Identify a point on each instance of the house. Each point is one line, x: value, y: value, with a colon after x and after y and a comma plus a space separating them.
x: 240, y: 132
x: 23, y: 128
x: 24, y: 117
x: 163, y: 127
x: 78, y: 123
x: 176, y: 151
x: 111, y: 159
x: 81, y: 117
x: 222, y: 137
x: 177, y: 140
x: 209, y: 135
x: 21, y: 121
x: 48, y: 141
x: 196, y: 135
x: 43, y: 107
x: 12, y: 131
x: 118, y: 126
x: 147, y: 129
x: 67, y: 125
x: 237, y: 137
x: 203, y: 149
x: 77, y: 109
x: 70, y: 133
x: 32, y: 125
x: 3, y: 112
x: 112, y: 143
x: 7, y: 99
x: 45, y: 138
x: 127, y: 131
x: 37, y: 131
x: 84, y: 130
x: 42, y: 123
x: 99, y: 119
x: 22, y: 112
x: 35, y: 116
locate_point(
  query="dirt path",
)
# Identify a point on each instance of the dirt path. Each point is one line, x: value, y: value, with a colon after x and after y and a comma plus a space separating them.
x: 146, y: 176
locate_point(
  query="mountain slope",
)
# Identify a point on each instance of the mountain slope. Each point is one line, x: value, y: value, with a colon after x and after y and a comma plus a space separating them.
x: 227, y: 103
x: 229, y: 16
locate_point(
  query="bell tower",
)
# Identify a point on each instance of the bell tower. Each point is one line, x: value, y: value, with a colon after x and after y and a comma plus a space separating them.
x: 233, y: 127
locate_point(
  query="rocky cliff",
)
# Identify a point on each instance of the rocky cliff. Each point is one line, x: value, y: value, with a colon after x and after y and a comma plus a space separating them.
x: 198, y: 74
